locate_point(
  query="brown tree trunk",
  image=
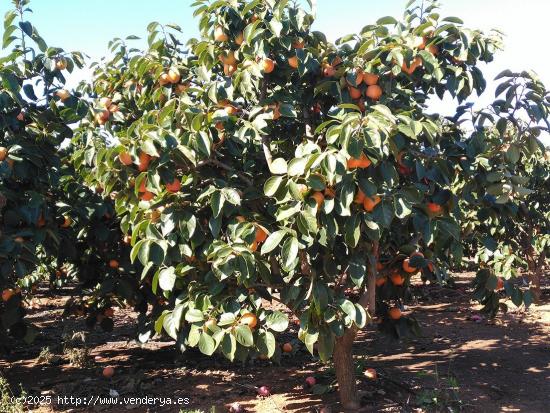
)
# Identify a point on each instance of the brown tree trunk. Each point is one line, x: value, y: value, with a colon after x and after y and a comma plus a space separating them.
x: 345, y: 371
x: 536, y: 275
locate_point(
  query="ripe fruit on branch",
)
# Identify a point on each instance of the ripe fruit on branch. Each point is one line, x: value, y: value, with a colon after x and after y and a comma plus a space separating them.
x: 239, y: 39
x: 380, y: 281
x: 370, y: 79
x: 228, y: 58
x: 370, y: 203
x: 102, y: 117
x: 363, y: 162
x: 417, y: 62
x: 174, y: 186
x: 371, y: 374
x: 406, y: 263
x: 63, y: 94
x: 319, y: 198
x: 3, y: 153
x: 359, y: 197
x: 374, y: 92
x: 261, y: 235
x: 228, y: 70
x: 267, y: 65
x: 328, y: 70
x: 67, y: 221
x: 113, y: 263
x: 219, y: 34
x: 293, y: 62
x: 164, y: 79
x: 125, y: 158
x: 397, y: 279
x: 287, y: 347
x: 500, y: 283
x: 61, y: 63
x: 105, y: 102
x: 394, y: 313
x: 7, y: 294
x: 143, y: 185
x: 434, y: 208
x: 354, y: 92
x: 433, y: 49
x: 249, y: 319
x: 330, y: 193
x: 144, y: 160
x: 174, y: 75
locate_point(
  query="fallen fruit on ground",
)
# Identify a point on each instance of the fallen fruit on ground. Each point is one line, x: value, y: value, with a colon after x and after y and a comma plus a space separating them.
x: 394, y: 313
x: 108, y: 372
x: 264, y: 391
x: 310, y: 381
x: 371, y: 374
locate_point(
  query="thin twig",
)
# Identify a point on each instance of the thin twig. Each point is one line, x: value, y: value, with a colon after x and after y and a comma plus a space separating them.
x: 222, y: 165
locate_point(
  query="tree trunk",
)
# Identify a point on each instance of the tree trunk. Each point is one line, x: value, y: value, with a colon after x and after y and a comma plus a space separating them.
x: 345, y: 371
x: 536, y: 275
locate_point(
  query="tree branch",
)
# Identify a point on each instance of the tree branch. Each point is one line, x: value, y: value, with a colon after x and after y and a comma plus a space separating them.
x: 220, y: 164
x: 266, y: 141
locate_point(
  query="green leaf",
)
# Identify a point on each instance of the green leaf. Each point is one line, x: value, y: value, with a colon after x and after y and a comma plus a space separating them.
x: 243, y: 335
x: 149, y: 147
x: 266, y: 343
x: 386, y: 20
x: 326, y: 343
x: 207, y: 345
x: 402, y: 207
x: 167, y: 278
x: 278, y: 166
x: 272, y: 185
x: 226, y: 319
x: 231, y: 196
x: 452, y: 19
x: 216, y: 202
x: 229, y: 346
x: 194, y: 315
x: 273, y: 241
x: 277, y: 321
x: 289, y: 252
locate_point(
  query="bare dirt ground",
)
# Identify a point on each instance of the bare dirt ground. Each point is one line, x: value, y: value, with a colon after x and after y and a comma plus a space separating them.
x: 470, y: 364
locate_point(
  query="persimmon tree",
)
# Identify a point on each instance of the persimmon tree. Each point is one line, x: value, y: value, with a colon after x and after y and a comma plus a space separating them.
x: 35, y: 114
x: 262, y: 162
x: 52, y: 226
x: 505, y: 187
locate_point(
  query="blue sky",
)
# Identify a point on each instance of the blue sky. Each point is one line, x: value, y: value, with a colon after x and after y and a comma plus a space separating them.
x: 88, y: 25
